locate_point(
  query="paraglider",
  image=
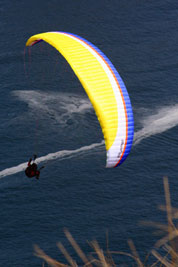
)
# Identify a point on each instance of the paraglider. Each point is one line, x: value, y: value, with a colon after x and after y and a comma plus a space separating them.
x: 104, y: 87
x: 32, y: 169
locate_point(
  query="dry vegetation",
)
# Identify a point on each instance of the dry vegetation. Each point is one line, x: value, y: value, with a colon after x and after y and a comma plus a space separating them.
x: 165, y: 251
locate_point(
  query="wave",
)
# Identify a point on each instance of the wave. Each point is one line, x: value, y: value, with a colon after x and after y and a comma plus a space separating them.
x: 164, y: 119
x: 58, y: 106
x: 60, y: 155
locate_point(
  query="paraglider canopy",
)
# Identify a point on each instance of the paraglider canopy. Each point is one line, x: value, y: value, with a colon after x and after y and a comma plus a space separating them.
x: 104, y: 88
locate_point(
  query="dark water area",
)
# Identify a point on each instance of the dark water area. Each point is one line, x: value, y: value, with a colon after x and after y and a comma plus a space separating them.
x: 44, y: 109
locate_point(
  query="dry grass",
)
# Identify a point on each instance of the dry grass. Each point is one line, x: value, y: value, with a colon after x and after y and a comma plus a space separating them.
x: 165, y: 250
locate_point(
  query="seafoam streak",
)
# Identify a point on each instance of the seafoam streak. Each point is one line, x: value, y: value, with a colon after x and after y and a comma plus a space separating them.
x: 60, y: 155
x: 164, y: 119
x: 57, y: 105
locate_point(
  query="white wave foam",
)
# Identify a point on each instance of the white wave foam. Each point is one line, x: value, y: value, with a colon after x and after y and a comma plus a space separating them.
x: 164, y: 119
x: 60, y: 106
x: 60, y: 155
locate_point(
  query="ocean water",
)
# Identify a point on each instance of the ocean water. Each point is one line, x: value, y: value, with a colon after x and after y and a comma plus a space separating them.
x: 45, y: 110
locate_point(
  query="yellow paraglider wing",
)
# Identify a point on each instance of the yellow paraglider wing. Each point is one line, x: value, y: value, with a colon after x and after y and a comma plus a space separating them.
x: 104, y: 88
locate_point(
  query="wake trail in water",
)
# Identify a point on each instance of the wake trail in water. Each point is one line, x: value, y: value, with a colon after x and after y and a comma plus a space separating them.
x: 59, y: 106
x: 60, y: 155
x: 164, y: 119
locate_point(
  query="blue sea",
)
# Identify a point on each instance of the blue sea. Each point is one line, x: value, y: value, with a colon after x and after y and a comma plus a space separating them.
x: 44, y: 110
